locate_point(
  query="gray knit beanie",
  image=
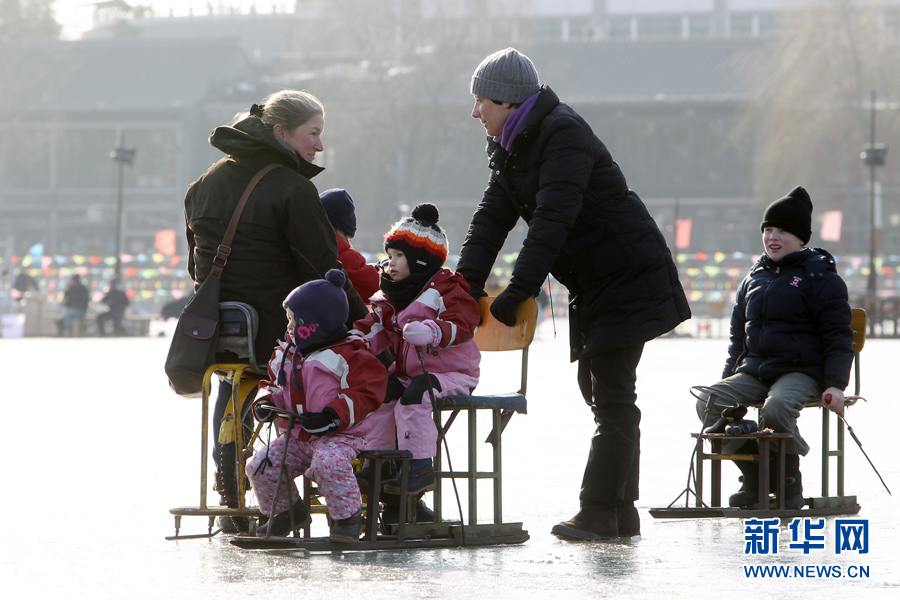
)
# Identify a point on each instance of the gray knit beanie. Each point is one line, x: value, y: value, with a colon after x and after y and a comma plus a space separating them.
x: 506, y: 76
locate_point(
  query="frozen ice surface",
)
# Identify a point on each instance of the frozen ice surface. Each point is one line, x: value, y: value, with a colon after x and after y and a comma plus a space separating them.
x: 98, y: 449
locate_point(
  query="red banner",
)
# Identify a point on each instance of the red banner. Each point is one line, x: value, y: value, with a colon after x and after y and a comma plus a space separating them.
x: 165, y: 242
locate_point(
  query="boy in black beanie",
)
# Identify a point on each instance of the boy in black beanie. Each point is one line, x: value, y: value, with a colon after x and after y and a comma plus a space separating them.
x: 791, y: 341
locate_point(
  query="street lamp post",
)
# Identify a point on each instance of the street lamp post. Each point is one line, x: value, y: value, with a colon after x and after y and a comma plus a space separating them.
x: 122, y: 155
x: 873, y: 156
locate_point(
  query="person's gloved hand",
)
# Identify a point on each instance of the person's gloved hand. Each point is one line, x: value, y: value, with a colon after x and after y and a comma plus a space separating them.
x: 505, y: 306
x: 318, y: 423
x: 395, y: 389
x: 422, y: 333
x: 263, y: 409
x: 418, y: 387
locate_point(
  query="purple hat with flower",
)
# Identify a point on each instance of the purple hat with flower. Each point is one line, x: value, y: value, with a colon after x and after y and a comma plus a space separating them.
x: 320, y: 310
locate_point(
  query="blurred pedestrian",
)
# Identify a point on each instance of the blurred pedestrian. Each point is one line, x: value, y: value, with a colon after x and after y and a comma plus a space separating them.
x: 76, y: 299
x: 22, y: 286
x: 116, y: 300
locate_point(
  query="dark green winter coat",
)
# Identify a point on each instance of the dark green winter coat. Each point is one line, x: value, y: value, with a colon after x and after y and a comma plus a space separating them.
x: 584, y: 226
x: 284, y: 237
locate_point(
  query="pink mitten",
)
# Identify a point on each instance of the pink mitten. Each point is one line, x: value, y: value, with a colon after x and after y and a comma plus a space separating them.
x: 422, y: 333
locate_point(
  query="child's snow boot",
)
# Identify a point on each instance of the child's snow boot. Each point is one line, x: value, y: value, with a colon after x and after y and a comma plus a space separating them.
x: 421, y: 478
x: 793, y: 482
x: 346, y: 531
x: 748, y: 495
x: 280, y: 524
x: 390, y: 514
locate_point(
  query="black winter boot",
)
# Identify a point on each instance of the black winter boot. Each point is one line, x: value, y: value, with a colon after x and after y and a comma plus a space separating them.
x: 346, y: 531
x: 629, y: 520
x: 793, y: 482
x: 280, y: 524
x: 748, y: 495
x: 390, y: 514
x: 388, y: 471
x: 597, y: 522
x: 421, y: 478
x: 226, y: 485
x: 233, y: 525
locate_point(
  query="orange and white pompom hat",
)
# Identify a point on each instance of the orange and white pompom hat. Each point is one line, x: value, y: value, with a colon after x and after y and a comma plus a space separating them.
x: 420, y: 238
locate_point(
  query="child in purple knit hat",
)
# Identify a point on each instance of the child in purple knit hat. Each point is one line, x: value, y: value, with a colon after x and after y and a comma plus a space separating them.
x: 337, y: 388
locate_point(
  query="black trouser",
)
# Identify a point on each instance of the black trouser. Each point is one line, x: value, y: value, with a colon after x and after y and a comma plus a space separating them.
x: 224, y: 454
x: 115, y: 317
x: 607, y: 381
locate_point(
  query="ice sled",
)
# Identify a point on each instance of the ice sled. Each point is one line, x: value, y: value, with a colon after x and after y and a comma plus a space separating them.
x: 708, y: 447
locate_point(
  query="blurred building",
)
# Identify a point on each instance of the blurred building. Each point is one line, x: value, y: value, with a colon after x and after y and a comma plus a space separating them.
x: 658, y: 80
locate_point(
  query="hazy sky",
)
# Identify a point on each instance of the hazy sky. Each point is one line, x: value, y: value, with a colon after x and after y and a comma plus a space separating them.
x: 76, y: 16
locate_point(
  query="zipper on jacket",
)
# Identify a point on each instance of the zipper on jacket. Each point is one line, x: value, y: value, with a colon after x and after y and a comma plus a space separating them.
x: 399, y: 369
x: 765, y: 306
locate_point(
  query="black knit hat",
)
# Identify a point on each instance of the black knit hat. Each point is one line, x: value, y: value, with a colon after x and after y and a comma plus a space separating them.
x: 341, y: 212
x: 793, y: 213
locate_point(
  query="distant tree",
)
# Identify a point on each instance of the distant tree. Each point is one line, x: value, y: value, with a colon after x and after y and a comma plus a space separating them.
x: 809, y: 118
x: 27, y: 29
x: 27, y: 20
x: 395, y: 80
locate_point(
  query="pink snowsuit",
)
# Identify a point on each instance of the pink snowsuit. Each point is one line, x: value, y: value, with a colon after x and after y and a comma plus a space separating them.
x: 347, y: 378
x: 445, y: 299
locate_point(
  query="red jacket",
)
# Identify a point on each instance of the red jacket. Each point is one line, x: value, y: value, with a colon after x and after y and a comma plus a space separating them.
x: 446, y: 300
x: 364, y: 277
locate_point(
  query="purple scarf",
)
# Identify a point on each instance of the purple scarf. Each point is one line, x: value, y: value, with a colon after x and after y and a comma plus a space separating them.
x: 516, y: 121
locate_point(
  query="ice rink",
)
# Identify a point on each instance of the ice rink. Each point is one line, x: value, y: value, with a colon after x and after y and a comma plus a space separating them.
x: 99, y: 449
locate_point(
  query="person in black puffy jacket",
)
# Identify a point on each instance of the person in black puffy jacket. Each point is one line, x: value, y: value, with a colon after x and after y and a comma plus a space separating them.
x: 791, y: 341
x: 283, y: 238
x: 587, y: 228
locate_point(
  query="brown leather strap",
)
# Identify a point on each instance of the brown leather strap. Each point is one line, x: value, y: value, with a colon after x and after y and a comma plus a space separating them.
x: 224, y: 249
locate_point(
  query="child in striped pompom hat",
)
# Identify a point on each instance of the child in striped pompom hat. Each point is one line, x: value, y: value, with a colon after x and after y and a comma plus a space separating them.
x: 426, y: 317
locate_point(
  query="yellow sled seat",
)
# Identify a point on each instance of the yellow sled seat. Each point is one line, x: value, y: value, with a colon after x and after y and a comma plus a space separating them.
x: 237, y: 361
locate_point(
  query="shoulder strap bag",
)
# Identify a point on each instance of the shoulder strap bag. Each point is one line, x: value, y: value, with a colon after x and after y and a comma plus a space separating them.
x: 193, y: 346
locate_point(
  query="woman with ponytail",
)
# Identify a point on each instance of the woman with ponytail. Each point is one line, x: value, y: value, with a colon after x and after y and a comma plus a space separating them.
x: 283, y: 239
